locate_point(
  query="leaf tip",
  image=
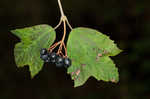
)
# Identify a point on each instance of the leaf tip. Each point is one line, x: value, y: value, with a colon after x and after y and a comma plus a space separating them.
x: 13, y: 31
x: 77, y: 85
x: 32, y: 75
x: 121, y: 50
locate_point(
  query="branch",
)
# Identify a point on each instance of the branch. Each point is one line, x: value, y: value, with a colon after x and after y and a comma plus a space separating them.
x: 61, y: 9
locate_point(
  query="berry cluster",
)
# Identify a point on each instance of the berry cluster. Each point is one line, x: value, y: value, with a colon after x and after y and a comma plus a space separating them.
x: 54, y: 58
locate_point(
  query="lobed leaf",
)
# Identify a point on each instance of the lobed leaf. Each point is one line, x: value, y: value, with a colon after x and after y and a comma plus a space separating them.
x: 90, y: 51
x: 27, y: 52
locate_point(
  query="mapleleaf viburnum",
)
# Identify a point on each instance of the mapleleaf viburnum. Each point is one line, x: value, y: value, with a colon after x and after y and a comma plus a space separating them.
x: 87, y: 53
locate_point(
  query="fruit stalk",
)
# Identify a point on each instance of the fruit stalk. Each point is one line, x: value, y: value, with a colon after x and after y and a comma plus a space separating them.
x: 59, y: 59
x: 61, y: 43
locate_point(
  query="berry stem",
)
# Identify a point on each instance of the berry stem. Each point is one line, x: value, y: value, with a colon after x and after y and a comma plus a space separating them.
x: 64, y: 31
x: 54, y: 46
x: 65, y: 50
x: 61, y: 43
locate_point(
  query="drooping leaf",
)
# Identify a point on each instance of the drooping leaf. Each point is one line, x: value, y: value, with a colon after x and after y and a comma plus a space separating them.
x: 90, y: 51
x: 27, y: 52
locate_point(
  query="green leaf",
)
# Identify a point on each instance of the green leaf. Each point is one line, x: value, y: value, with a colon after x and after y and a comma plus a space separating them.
x: 27, y: 52
x: 90, y: 51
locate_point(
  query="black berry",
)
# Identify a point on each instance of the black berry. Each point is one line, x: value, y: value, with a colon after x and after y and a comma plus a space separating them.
x: 43, y: 51
x: 59, y: 61
x: 53, y: 56
x: 45, y: 58
x: 67, y: 62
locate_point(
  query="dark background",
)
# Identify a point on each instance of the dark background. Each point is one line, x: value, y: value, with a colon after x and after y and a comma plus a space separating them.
x: 125, y: 21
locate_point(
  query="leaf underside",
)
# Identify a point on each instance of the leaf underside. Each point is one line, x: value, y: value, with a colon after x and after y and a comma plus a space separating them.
x: 27, y: 52
x: 90, y: 51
